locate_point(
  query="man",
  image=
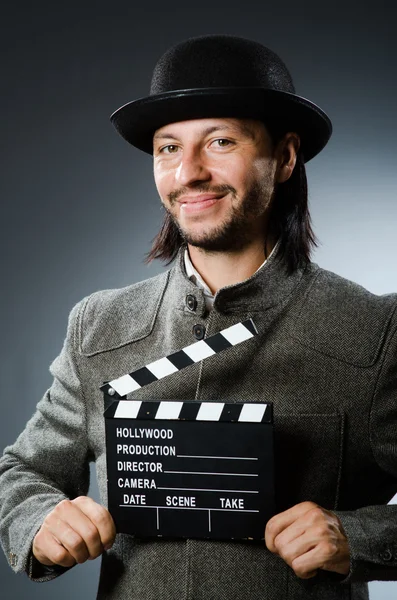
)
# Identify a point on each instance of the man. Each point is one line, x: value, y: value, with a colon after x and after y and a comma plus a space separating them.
x: 229, y: 139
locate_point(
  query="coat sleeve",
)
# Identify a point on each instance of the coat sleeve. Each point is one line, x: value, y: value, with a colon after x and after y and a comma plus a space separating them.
x: 48, y: 462
x: 372, y: 530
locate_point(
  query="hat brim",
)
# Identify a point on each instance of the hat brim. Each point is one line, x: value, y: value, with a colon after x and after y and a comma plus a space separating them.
x: 137, y: 121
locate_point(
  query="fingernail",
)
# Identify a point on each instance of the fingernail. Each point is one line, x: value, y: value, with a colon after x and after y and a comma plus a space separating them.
x: 108, y: 546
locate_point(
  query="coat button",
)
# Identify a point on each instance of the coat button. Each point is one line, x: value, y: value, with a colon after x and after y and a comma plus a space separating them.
x: 386, y: 555
x: 191, y: 302
x: 199, y: 331
x: 13, y: 559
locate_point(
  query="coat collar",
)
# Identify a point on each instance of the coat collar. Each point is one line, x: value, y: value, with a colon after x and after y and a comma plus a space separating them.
x: 269, y: 286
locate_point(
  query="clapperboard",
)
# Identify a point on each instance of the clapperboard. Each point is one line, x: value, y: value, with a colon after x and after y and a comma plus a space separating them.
x: 187, y: 468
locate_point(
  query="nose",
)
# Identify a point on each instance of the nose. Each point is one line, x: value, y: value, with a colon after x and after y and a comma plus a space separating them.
x: 191, y: 169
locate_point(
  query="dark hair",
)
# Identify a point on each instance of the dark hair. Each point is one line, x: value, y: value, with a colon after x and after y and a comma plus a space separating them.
x: 289, y: 222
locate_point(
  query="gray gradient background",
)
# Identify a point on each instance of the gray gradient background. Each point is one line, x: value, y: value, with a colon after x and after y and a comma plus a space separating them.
x: 79, y: 206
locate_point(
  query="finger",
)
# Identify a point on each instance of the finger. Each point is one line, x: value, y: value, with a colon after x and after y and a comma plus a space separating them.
x: 100, y: 517
x: 74, y: 531
x: 308, y: 563
x: 280, y: 522
x: 302, y: 535
x: 289, y: 535
x: 291, y: 550
x: 49, y: 551
x: 67, y: 534
x: 325, y: 554
x: 59, y: 555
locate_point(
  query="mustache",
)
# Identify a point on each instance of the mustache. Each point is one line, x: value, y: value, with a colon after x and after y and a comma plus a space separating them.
x: 216, y: 189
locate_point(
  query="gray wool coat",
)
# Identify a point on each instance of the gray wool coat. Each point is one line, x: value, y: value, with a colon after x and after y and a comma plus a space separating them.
x: 325, y: 356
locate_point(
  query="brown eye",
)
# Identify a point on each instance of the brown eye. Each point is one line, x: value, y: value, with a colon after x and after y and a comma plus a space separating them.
x: 170, y: 149
x: 222, y: 142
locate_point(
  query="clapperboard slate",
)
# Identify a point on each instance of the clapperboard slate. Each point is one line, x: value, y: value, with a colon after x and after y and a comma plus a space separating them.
x: 187, y: 468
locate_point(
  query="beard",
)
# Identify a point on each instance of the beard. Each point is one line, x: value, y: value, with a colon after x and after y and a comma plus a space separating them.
x: 242, y: 222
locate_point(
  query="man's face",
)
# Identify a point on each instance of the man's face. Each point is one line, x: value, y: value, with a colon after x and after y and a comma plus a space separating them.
x: 216, y: 179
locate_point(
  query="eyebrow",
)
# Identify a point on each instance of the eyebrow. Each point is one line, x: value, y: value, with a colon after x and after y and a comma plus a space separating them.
x: 244, y: 128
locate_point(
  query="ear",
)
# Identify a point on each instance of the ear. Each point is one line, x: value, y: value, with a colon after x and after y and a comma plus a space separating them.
x: 286, y: 152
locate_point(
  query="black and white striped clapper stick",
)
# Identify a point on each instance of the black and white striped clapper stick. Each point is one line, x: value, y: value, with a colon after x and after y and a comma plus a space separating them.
x: 236, y: 334
x: 223, y: 412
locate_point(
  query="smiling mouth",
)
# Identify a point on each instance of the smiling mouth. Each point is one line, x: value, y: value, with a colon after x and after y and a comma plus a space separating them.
x: 199, y: 199
x: 199, y: 203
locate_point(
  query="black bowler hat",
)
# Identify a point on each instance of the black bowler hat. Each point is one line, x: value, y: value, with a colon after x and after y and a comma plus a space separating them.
x: 222, y: 76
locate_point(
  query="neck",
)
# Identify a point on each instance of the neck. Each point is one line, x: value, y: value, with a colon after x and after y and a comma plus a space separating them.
x: 221, y: 269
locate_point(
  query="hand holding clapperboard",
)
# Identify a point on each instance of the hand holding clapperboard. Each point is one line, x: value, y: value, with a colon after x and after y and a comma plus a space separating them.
x: 188, y: 469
